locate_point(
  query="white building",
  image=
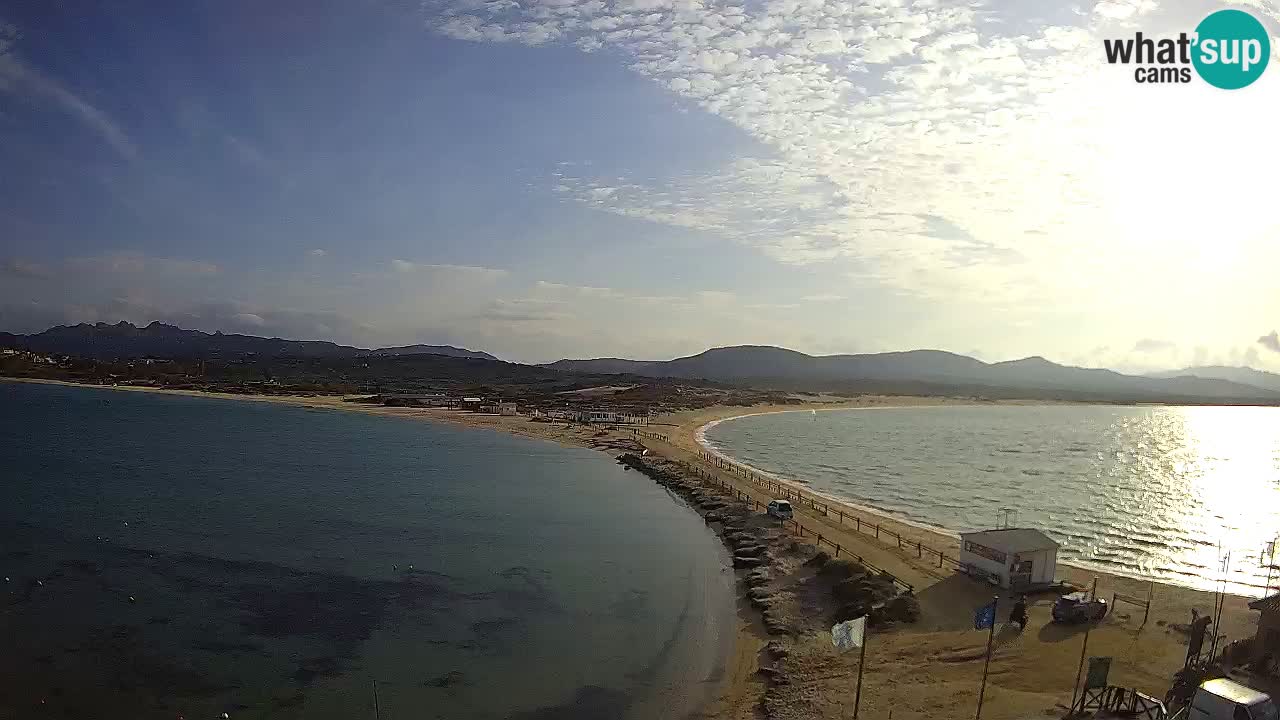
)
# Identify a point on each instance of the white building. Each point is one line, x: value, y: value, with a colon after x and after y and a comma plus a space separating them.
x: 1014, y: 558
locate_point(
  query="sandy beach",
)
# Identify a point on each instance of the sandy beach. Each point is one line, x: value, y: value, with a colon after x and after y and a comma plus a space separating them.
x: 927, y: 670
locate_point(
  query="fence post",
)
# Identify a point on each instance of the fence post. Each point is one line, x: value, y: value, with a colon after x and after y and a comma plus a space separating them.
x: 837, y: 551
x: 859, y: 519
x: 919, y: 550
x: 877, y: 531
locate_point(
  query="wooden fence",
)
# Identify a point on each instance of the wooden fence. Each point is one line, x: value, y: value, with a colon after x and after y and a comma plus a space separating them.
x: 650, y: 435
x: 712, y: 480
x: 865, y: 525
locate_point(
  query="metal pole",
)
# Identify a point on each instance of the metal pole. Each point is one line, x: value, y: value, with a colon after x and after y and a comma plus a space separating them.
x: 1271, y: 565
x: 995, y: 607
x: 377, y: 712
x: 1222, y: 600
x: 1083, y: 648
x: 862, y: 662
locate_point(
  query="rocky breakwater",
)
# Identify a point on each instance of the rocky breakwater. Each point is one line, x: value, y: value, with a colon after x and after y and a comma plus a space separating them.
x: 762, y: 552
x: 798, y: 590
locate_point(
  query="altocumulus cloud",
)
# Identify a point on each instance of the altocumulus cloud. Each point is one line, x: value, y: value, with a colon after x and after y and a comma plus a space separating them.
x: 879, y: 119
x: 1270, y: 341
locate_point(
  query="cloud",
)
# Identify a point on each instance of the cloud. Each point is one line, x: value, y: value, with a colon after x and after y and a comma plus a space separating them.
x: 1151, y: 345
x: 716, y: 297
x: 17, y: 77
x: 247, y: 153
x: 317, y: 252
x: 14, y: 267
x: 1270, y: 341
x: 475, y: 271
x: 941, y: 149
x: 526, y: 310
x: 249, y: 319
x: 1123, y: 9
x: 581, y: 290
x: 136, y: 263
x: 823, y: 297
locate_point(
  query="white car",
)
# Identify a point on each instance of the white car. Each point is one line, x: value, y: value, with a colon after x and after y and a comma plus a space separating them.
x: 1223, y: 699
x: 780, y: 509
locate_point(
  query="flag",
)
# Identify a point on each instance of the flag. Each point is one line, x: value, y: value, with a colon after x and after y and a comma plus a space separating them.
x: 849, y: 634
x: 985, y: 616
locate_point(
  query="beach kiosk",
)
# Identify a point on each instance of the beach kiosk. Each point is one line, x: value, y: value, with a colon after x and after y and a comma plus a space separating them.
x: 1013, y: 558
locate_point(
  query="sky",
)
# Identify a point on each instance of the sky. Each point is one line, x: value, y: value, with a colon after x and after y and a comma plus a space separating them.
x: 640, y: 178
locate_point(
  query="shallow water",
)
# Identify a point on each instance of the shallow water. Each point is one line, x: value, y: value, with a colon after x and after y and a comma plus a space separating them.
x: 1144, y: 491
x: 200, y: 556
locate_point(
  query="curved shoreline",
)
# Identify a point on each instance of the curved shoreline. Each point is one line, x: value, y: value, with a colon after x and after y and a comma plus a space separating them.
x: 742, y: 689
x: 701, y: 437
x: 944, y: 533
x: 666, y: 687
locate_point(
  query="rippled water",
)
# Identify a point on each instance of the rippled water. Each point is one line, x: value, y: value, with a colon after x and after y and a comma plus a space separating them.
x: 1145, y: 491
x: 200, y: 556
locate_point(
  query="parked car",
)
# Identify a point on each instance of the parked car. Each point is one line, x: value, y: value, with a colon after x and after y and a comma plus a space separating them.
x: 1224, y: 699
x: 1078, y: 607
x: 780, y: 509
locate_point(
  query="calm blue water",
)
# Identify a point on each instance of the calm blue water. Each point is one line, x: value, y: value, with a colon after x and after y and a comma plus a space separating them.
x: 1144, y: 491
x: 201, y: 556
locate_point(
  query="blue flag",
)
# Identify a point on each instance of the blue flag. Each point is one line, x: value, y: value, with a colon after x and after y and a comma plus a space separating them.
x: 985, y: 616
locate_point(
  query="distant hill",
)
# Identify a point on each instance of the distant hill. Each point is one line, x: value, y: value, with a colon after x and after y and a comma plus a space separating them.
x: 1248, y: 376
x: 446, y: 350
x: 601, y: 365
x: 158, y: 340
x: 927, y: 371
x: 916, y: 372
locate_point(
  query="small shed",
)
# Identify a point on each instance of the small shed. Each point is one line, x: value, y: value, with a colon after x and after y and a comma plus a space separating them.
x: 1014, y: 558
x: 1266, y: 641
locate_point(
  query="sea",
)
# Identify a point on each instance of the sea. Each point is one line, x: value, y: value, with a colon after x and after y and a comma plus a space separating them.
x: 1184, y: 495
x: 168, y: 556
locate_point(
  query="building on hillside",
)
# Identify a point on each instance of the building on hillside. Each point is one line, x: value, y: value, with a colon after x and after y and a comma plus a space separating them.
x: 507, y: 408
x: 1012, y: 558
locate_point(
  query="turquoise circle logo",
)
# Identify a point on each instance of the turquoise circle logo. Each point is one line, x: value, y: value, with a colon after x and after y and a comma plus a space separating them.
x: 1232, y: 49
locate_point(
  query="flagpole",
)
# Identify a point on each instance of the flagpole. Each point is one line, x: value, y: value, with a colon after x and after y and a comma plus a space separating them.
x: 862, y: 661
x: 1083, y: 648
x: 995, y: 607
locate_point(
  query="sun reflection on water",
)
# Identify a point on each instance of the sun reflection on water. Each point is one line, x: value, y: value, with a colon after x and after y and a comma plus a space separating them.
x: 1151, y: 492
x: 1230, y: 485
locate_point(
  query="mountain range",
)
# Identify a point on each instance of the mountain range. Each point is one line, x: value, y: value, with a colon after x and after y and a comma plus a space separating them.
x: 936, y: 370
x: 158, y: 340
x: 1244, y: 375
x: 911, y: 372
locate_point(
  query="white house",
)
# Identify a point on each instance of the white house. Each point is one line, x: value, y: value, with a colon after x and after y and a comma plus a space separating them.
x: 1014, y: 558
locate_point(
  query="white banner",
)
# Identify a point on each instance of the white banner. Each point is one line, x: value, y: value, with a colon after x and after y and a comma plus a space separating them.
x: 849, y: 634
